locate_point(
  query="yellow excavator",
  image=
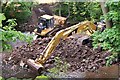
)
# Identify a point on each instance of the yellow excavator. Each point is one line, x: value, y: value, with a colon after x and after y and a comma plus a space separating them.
x: 86, y: 27
x: 48, y: 24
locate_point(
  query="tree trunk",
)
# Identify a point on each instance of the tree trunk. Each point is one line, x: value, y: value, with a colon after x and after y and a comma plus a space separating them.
x: 68, y: 11
x: 105, y: 10
x: 59, y: 9
x: 0, y: 7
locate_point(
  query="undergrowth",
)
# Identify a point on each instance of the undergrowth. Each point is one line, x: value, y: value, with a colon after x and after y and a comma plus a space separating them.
x: 9, y: 34
x: 60, y: 66
x: 109, y: 39
x: 42, y: 77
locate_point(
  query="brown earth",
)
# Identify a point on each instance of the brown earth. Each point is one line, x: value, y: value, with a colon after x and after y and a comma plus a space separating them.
x: 80, y: 57
x: 13, y: 63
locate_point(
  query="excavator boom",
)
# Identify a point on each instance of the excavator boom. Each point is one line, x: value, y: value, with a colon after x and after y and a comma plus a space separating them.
x: 86, y: 27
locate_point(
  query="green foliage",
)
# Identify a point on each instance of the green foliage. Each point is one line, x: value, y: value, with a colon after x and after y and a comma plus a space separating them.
x: 1, y: 78
x: 11, y: 24
x: 2, y: 17
x: 94, y: 11
x: 114, y: 12
x: 111, y: 58
x: 18, y: 10
x: 42, y: 77
x: 59, y: 66
x: 79, y: 11
x: 12, y: 36
x: 109, y: 39
x: 8, y: 34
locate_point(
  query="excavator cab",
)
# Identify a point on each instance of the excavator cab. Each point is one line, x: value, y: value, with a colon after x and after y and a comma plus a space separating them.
x: 49, y: 25
x: 47, y: 21
x: 45, y: 24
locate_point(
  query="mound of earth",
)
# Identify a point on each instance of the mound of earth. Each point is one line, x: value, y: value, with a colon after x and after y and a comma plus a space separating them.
x: 13, y: 64
x: 80, y: 57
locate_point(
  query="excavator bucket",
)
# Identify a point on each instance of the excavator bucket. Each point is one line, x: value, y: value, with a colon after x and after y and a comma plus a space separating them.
x: 35, y: 66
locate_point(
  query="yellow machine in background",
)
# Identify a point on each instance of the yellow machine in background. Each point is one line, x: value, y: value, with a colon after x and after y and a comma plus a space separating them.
x: 86, y: 27
x: 47, y: 23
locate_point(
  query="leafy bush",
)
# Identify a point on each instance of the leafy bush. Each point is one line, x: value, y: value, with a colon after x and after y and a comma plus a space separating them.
x: 12, y: 36
x: 114, y: 12
x: 79, y: 11
x: 2, y: 17
x: 8, y: 34
x: 109, y: 40
x: 11, y: 23
x: 42, y: 77
x: 18, y: 10
x: 59, y: 66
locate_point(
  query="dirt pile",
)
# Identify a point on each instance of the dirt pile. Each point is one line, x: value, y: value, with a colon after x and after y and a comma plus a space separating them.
x: 13, y: 63
x: 26, y: 27
x: 81, y: 57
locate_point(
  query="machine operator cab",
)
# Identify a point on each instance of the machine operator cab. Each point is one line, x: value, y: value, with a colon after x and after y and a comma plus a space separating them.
x: 45, y: 24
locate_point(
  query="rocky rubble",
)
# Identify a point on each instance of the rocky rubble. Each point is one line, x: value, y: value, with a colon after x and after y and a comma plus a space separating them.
x: 13, y: 64
x: 80, y: 57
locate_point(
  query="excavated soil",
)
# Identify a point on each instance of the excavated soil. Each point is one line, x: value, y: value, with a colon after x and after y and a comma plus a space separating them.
x: 80, y: 57
x: 13, y: 64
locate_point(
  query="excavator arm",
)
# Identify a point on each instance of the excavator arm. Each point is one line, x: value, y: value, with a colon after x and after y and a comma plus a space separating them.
x: 87, y: 27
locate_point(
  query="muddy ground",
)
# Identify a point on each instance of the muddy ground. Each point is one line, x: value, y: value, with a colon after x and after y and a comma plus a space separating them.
x: 79, y: 57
